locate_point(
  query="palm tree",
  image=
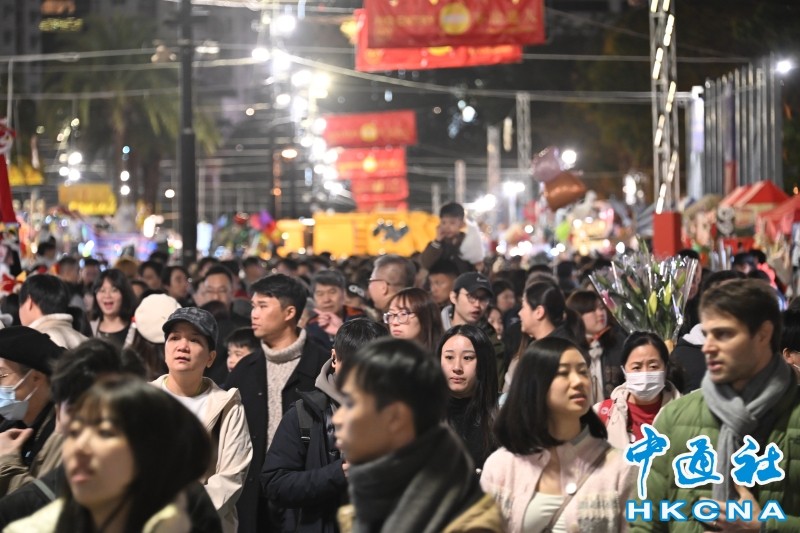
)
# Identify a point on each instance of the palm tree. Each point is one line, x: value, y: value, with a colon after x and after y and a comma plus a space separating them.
x: 131, y: 101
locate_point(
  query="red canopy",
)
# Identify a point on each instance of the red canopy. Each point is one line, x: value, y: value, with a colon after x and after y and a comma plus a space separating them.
x: 763, y: 192
x: 737, y: 193
x: 780, y: 219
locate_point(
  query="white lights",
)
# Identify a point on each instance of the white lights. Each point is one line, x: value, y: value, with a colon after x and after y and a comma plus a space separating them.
x: 334, y: 187
x: 169, y: 193
x: 485, y: 203
x: 330, y: 174
x: 320, y: 84
x: 75, y: 158
x: 284, y: 24
x: 283, y: 100
x: 670, y: 96
x: 75, y: 123
x: 668, y: 30
x: 124, y: 190
x: 513, y: 188
x: 783, y: 66
x: 261, y: 54
x: 281, y: 62
x: 468, y: 113
x: 387, y: 95
x: 74, y: 175
x: 569, y: 157
x: 660, y: 130
x: 124, y: 175
x: 208, y: 48
x: 657, y: 63
x: 319, y: 125
x: 289, y: 153
x: 330, y: 157
x: 63, y: 172
x: 302, y: 78
x: 249, y: 111
x: 620, y: 247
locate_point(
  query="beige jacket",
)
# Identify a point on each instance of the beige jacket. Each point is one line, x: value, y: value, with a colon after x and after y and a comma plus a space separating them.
x: 232, y: 447
x: 59, y: 327
x: 617, y: 422
x: 171, y: 519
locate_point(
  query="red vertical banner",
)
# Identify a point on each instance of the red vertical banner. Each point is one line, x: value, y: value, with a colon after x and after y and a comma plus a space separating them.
x: 6, y: 205
x: 422, y: 23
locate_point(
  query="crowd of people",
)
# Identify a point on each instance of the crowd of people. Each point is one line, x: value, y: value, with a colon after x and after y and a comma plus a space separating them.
x: 392, y: 394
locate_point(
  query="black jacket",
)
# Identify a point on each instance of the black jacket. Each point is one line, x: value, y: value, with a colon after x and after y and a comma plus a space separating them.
x: 691, y: 361
x: 31, y: 497
x: 307, y: 477
x: 250, y: 377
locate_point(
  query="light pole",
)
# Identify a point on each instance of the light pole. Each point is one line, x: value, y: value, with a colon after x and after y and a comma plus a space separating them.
x: 186, y: 142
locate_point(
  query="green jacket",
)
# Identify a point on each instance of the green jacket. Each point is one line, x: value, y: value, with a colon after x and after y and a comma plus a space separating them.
x: 689, y: 417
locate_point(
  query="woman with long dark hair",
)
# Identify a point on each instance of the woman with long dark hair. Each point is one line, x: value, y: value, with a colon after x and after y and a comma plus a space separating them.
x: 129, y: 452
x: 413, y: 315
x: 555, y: 470
x: 470, y: 367
x: 113, y: 307
x: 603, y: 341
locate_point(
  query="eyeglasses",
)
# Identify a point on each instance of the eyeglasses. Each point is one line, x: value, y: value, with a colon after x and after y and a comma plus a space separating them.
x: 401, y: 317
x: 483, y: 300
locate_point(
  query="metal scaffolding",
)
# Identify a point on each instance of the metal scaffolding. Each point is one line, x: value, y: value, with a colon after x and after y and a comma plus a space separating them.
x: 663, y: 85
x: 743, y: 124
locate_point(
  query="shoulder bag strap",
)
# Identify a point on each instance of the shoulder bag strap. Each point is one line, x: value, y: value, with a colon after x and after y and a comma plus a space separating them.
x: 568, y: 498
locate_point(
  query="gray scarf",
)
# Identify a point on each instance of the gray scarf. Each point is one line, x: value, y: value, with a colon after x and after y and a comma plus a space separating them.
x: 740, y: 414
x: 417, y: 489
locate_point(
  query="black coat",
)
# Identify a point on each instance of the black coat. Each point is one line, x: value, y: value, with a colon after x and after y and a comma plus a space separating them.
x: 306, y: 477
x: 250, y: 377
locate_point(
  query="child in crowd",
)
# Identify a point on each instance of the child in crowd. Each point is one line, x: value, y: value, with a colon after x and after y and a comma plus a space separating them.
x: 241, y: 343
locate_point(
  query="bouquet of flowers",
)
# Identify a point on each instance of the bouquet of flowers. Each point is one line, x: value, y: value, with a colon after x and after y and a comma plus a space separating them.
x: 644, y: 294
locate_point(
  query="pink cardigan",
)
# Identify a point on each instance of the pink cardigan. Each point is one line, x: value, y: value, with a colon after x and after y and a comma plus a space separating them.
x: 598, y: 506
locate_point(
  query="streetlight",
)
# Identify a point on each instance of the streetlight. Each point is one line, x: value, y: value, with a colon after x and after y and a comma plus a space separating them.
x: 569, y: 157
x: 784, y: 66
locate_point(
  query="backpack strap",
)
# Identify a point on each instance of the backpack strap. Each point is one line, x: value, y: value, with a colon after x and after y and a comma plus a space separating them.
x: 305, y: 420
x: 44, y: 489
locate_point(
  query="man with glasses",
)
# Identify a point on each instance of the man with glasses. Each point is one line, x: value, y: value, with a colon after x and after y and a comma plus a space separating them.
x: 470, y: 298
x: 391, y: 274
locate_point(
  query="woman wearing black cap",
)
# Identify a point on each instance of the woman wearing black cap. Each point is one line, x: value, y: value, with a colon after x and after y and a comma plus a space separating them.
x: 191, y: 335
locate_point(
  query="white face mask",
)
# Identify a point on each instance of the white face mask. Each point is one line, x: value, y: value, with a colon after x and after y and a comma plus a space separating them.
x: 10, y: 407
x: 645, y: 385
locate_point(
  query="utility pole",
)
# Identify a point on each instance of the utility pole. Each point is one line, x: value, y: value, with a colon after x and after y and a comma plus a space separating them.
x: 186, y: 141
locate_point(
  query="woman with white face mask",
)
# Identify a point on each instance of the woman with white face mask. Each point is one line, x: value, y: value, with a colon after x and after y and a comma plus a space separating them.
x: 645, y: 362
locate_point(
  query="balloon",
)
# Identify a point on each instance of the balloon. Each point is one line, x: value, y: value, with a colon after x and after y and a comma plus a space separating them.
x: 564, y: 189
x: 546, y: 165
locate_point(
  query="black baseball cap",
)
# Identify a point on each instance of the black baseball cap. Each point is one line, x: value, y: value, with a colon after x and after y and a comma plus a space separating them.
x: 199, y: 318
x: 472, y: 282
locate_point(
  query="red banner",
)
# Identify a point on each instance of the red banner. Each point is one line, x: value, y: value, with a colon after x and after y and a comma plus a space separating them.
x: 365, y: 163
x: 397, y: 128
x: 386, y: 191
x: 377, y: 59
x: 422, y: 23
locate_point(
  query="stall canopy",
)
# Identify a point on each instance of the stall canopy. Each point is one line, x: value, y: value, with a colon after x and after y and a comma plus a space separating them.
x: 780, y: 219
x: 763, y: 192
